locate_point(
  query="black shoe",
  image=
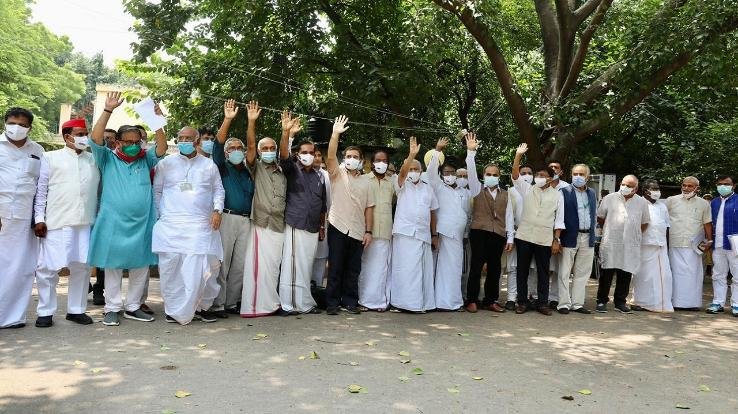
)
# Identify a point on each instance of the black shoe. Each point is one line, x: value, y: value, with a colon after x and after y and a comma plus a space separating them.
x: 315, y: 311
x: 16, y: 326
x: 638, y: 308
x: 510, y: 305
x: 169, y: 319
x: 220, y: 314
x: 563, y: 311
x: 353, y: 310
x: 98, y: 299
x: 44, y: 322
x: 601, y: 308
x: 583, y: 311
x: 233, y: 311
x: 80, y: 318
x: 205, y: 316
x: 553, y: 304
x: 282, y: 312
x: 331, y: 311
x: 623, y: 308
x: 89, y: 287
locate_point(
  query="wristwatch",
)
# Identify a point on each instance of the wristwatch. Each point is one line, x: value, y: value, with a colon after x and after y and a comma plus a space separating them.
x: 218, y: 211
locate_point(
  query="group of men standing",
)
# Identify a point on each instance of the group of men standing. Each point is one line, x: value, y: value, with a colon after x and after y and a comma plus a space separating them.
x: 249, y: 228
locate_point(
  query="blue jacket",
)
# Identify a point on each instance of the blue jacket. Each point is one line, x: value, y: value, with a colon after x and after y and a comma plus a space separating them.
x: 730, y: 218
x: 571, y: 217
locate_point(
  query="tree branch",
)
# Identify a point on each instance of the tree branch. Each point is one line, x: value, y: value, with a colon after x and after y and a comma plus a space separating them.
x: 584, y: 41
x: 550, y: 36
x: 586, y: 10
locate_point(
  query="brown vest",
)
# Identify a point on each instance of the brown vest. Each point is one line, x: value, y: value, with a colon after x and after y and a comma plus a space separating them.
x: 489, y: 213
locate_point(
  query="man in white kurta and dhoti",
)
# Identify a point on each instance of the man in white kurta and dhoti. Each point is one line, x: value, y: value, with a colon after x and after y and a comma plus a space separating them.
x: 414, y: 231
x: 454, y: 210
x: 374, y: 289
x: 65, y: 208
x: 189, y: 197
x: 20, y: 166
x: 691, y: 230
x: 652, y: 282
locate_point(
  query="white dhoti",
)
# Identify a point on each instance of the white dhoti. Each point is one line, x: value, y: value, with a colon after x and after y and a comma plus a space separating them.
x: 653, y: 281
x: 65, y: 247
x: 374, y: 290
x: 688, y: 275
x: 724, y: 261
x: 212, y: 287
x: 17, y: 265
x: 235, y: 233
x: 319, y: 264
x: 449, y: 267
x: 411, y: 280
x: 260, y: 295
x: 297, y: 267
x: 183, y: 278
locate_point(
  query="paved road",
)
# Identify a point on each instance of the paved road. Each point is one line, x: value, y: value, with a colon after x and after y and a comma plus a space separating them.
x: 630, y: 363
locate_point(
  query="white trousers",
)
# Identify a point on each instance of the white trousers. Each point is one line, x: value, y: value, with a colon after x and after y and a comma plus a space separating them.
x: 17, y: 265
x: 449, y: 267
x: 687, y: 272
x: 577, y: 261
x: 47, y: 280
x: 114, y: 289
x: 653, y: 282
x: 467, y: 266
x: 724, y: 261
x: 183, y: 279
x: 411, y: 280
x: 260, y: 295
x: 235, y: 232
x: 553, y: 281
x: 375, y: 267
x: 512, y: 277
x: 298, y: 255
x: 212, y: 287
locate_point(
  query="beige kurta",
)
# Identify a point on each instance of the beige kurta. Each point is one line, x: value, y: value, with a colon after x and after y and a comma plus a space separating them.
x: 621, y: 234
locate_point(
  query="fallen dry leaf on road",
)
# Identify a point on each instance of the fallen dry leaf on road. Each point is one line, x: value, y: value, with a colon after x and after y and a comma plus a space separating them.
x: 567, y: 397
x: 462, y: 334
x: 417, y: 371
x: 314, y: 355
x: 260, y: 336
x: 354, y: 364
x: 168, y: 411
x: 96, y: 370
x: 202, y: 346
x: 356, y: 389
x: 79, y: 363
x: 403, y: 379
x: 453, y: 390
x: 404, y: 353
x: 704, y: 388
x: 404, y: 361
x: 682, y: 407
x: 182, y: 394
x: 164, y: 348
x: 477, y: 378
x: 371, y: 343
x: 585, y: 392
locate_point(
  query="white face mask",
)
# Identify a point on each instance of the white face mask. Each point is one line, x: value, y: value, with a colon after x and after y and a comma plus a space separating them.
x: 380, y: 167
x: 527, y: 178
x: 81, y: 143
x: 306, y: 159
x: 449, y: 179
x: 655, y: 195
x: 413, y: 176
x: 351, y: 163
x: 541, y: 181
x: 462, y: 182
x: 625, y: 190
x: 689, y: 195
x: 16, y: 132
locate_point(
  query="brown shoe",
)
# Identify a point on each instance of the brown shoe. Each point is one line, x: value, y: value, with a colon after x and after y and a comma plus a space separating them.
x: 545, y: 310
x: 520, y: 309
x: 471, y: 308
x: 494, y: 307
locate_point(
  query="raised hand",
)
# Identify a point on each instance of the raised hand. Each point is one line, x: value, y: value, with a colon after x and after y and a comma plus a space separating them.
x: 230, y: 109
x: 339, y: 125
x: 471, y: 141
x: 296, y: 126
x: 414, y: 147
x: 288, y: 122
x: 441, y: 144
x: 253, y: 110
x: 113, y: 101
x: 522, y: 149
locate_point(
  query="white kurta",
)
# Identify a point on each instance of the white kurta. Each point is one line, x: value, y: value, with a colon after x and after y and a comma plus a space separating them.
x: 374, y: 288
x: 297, y: 265
x: 688, y: 217
x: 19, y: 172
x: 261, y: 273
x: 186, y: 192
x: 621, y: 233
x: 412, y: 284
x: 652, y: 283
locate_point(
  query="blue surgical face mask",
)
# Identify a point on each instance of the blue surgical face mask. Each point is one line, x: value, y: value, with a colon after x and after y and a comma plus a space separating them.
x: 207, y: 146
x: 186, y: 148
x: 725, y: 190
x: 578, y: 181
x: 268, y: 156
x: 236, y: 157
x: 491, y: 180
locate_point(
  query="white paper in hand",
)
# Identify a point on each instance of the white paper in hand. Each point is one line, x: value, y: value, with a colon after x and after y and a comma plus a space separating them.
x: 145, y: 110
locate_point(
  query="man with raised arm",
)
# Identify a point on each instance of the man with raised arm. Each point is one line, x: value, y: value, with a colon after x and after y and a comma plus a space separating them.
x: 454, y: 210
x: 121, y: 236
x: 235, y: 230
x: 414, y: 237
x: 304, y: 216
x: 260, y: 295
x: 351, y: 220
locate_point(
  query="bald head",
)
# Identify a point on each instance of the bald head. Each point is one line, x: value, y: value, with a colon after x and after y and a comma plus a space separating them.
x: 690, y: 185
x: 267, y: 144
x: 631, y: 181
x: 188, y: 134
